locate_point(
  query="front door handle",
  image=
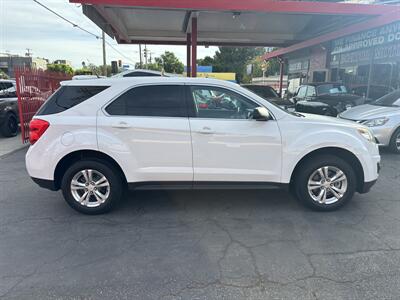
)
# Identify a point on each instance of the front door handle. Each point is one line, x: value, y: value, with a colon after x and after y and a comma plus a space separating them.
x: 206, y: 130
x: 121, y: 125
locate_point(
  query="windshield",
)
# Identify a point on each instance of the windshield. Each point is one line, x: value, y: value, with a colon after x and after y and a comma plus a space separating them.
x: 262, y: 91
x: 392, y: 99
x: 331, y: 89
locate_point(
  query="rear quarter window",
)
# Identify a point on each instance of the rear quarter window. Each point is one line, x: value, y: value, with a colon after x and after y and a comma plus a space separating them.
x: 69, y: 96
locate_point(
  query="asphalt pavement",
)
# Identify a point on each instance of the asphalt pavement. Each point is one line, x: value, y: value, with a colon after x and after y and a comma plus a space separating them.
x: 216, y: 244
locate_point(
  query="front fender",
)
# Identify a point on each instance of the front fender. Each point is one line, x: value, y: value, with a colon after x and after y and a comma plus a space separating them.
x: 298, y: 147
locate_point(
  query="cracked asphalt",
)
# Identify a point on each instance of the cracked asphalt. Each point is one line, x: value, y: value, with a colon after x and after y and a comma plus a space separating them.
x: 214, y: 244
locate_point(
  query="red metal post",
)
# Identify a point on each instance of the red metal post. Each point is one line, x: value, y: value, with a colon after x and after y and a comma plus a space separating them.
x: 188, y: 43
x: 194, y: 47
x: 281, y: 62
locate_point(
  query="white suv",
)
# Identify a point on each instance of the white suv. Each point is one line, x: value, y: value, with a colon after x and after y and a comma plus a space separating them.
x: 93, y: 138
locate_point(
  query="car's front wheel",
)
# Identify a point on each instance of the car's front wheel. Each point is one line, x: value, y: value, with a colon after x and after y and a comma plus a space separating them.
x: 92, y: 187
x: 325, y: 182
x: 395, y: 141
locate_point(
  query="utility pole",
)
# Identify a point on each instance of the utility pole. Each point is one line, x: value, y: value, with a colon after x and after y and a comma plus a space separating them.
x: 104, y: 54
x: 140, y: 60
x: 28, y: 52
x: 145, y: 55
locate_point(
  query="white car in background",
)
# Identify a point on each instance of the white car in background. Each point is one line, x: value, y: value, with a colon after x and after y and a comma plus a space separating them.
x: 382, y: 116
x: 101, y: 136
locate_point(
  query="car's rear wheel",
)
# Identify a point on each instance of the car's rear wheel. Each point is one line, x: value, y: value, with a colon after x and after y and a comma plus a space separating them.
x: 325, y: 182
x: 10, y: 126
x: 395, y: 141
x: 92, y: 187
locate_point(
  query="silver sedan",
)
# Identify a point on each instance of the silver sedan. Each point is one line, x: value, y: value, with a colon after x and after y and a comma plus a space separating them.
x: 383, y: 118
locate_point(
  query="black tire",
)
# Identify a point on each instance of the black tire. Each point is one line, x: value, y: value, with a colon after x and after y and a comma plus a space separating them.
x: 116, y: 186
x: 305, y: 171
x: 393, y: 146
x: 9, y: 128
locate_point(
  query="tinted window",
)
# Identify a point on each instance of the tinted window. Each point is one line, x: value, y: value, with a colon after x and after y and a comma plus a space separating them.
x: 392, y: 99
x: 67, y: 97
x: 140, y: 74
x: 213, y: 102
x: 154, y: 100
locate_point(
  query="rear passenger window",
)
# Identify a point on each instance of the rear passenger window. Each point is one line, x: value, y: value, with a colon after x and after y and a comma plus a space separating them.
x: 154, y: 100
x: 68, y: 96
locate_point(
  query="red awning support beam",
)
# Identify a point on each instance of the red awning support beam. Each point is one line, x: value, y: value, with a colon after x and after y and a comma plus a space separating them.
x: 194, y: 47
x: 188, y: 44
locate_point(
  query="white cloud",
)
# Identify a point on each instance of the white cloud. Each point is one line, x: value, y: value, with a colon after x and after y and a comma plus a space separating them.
x: 25, y: 24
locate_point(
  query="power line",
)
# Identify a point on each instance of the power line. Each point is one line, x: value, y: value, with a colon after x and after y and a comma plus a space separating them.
x: 83, y: 29
x: 66, y: 20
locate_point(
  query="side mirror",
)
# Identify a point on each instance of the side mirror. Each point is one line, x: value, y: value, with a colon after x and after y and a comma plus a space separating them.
x: 261, y: 114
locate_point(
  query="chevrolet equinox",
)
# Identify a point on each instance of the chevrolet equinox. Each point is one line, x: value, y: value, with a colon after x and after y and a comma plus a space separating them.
x: 94, y: 138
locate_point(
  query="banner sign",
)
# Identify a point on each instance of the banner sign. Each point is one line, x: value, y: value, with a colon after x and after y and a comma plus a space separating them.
x: 363, y: 40
x: 379, y: 44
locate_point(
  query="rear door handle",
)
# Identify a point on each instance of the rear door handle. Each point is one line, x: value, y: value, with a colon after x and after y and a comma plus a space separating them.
x: 121, y: 125
x: 206, y: 130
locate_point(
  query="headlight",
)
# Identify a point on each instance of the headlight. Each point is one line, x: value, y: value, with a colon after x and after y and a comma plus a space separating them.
x: 367, y: 134
x: 348, y: 106
x: 376, y: 122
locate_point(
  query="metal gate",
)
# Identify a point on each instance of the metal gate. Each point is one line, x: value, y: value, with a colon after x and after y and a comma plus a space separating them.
x: 33, y: 88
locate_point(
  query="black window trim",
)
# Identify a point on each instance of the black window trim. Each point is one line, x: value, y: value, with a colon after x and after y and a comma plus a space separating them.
x: 192, y: 114
x: 103, y: 108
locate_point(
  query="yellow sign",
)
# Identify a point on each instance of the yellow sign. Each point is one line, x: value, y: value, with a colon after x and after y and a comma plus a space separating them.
x: 222, y: 76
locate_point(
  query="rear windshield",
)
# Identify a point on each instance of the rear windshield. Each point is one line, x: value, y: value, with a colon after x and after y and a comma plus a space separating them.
x: 68, y: 96
x: 326, y: 89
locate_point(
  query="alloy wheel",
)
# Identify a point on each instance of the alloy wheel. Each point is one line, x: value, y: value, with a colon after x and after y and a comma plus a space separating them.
x: 327, y: 185
x: 397, y: 141
x: 90, y: 188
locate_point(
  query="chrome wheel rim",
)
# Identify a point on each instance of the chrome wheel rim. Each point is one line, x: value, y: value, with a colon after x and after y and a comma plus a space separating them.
x: 327, y: 185
x: 90, y: 188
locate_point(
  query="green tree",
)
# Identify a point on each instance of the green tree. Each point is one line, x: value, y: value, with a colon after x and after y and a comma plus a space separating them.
x: 206, y: 61
x: 233, y: 59
x: 62, y: 68
x: 3, y: 75
x: 169, y: 63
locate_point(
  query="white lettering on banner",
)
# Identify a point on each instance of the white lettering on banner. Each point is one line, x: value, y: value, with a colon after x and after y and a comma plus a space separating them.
x: 374, y: 37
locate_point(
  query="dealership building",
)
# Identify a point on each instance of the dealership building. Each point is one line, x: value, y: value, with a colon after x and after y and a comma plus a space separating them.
x: 365, y: 58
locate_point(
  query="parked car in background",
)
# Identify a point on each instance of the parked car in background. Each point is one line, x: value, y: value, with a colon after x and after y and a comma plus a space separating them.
x: 9, y: 117
x: 85, y: 77
x: 375, y: 91
x: 267, y: 92
x: 328, y: 99
x: 141, y: 73
x: 101, y: 136
x: 383, y: 118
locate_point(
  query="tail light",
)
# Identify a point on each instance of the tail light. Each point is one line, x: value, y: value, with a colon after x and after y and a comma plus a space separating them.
x: 36, y: 129
x: 203, y: 105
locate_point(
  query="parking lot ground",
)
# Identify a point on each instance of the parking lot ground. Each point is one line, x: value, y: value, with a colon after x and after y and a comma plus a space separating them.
x: 9, y: 145
x: 216, y: 244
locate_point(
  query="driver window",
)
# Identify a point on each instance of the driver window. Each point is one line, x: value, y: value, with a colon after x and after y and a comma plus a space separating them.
x: 213, y: 102
x: 302, y: 92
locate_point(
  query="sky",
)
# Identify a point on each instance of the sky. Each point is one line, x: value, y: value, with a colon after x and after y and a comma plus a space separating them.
x: 25, y: 24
